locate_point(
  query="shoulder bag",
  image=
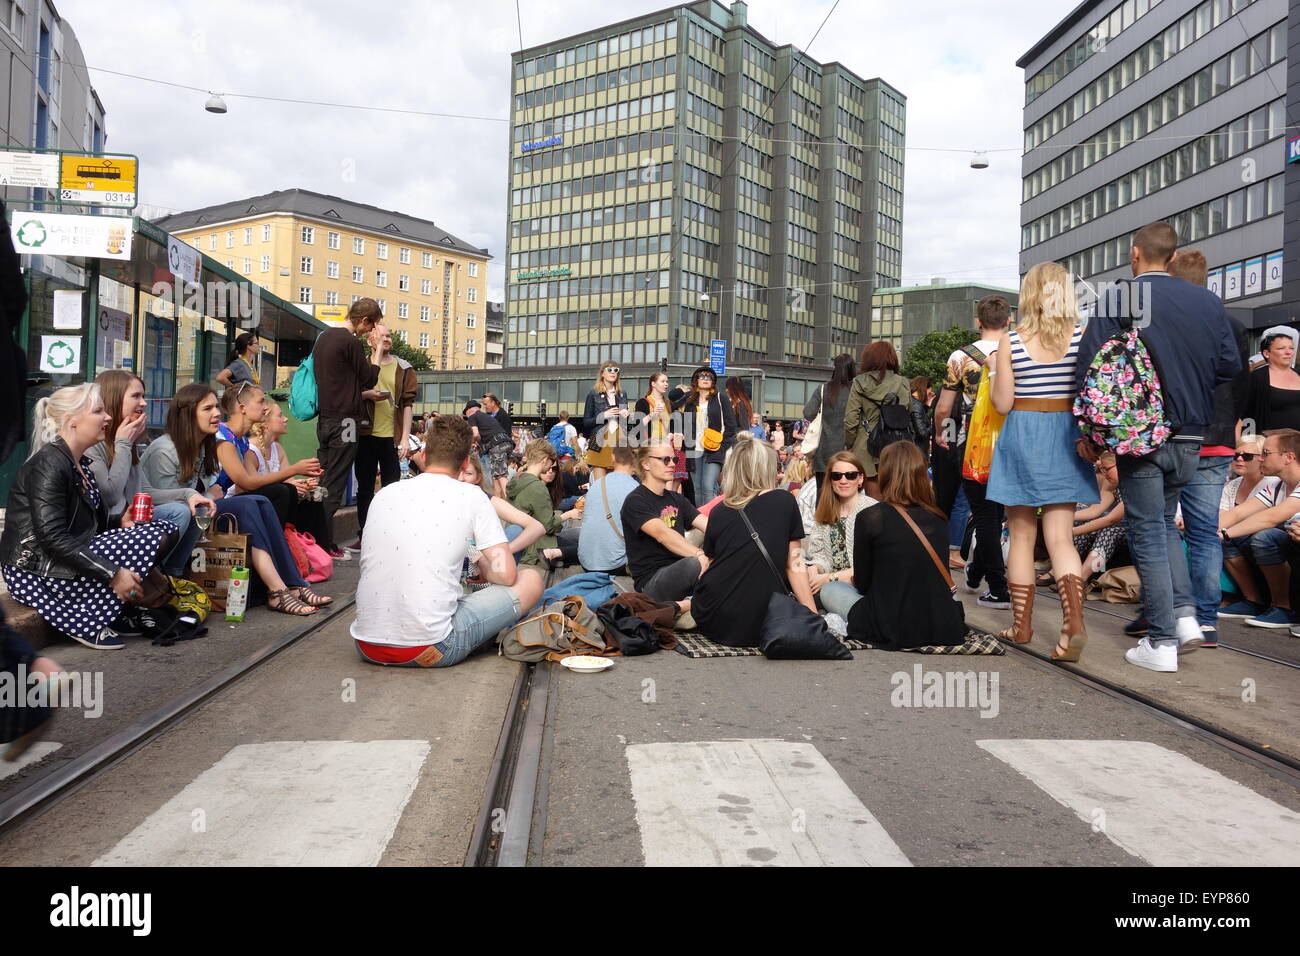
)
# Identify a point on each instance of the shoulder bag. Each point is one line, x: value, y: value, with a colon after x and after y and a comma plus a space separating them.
x: 790, y: 630
x: 712, y: 438
x: 609, y: 515
x: 813, y: 436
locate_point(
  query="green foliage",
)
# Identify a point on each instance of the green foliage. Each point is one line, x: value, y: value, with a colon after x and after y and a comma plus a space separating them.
x: 403, y: 350
x: 929, y: 356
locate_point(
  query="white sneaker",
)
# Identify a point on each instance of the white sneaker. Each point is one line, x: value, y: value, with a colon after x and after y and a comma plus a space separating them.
x: 1162, y: 658
x: 1189, y: 634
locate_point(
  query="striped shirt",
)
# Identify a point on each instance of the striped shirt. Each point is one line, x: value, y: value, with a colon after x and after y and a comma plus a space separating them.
x: 1044, y: 379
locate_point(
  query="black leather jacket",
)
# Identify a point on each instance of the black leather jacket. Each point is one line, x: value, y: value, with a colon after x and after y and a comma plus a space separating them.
x: 49, y: 521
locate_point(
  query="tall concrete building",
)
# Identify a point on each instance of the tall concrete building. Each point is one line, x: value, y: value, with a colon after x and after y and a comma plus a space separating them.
x: 677, y: 178
x: 901, y: 316
x: 1145, y: 110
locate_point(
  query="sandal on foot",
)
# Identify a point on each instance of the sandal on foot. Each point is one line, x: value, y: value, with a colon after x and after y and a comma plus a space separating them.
x: 287, y: 603
x: 311, y: 598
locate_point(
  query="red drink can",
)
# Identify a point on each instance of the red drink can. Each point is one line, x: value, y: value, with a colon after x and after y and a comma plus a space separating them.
x: 142, y: 508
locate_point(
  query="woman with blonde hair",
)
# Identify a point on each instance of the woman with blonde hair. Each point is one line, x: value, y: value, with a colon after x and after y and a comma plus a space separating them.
x: 730, y: 601
x: 1035, y: 464
x: 829, y: 546
x: 604, y: 415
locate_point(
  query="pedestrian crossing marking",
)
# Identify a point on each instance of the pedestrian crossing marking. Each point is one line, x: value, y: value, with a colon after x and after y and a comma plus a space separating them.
x: 1156, y: 804
x: 283, y: 803
x: 35, y: 754
x: 751, y: 802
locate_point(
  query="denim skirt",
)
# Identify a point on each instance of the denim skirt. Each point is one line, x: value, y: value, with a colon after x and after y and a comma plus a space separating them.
x: 1035, y: 462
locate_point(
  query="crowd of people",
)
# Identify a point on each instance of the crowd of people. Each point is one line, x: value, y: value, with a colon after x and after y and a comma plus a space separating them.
x: 675, y: 489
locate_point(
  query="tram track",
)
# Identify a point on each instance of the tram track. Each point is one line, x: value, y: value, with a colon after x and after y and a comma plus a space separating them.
x: 52, y: 788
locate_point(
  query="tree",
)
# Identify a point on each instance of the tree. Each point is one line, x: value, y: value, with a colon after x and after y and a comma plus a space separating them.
x: 404, y: 350
x: 929, y: 356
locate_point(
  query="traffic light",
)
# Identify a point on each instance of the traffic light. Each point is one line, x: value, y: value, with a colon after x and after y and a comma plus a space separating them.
x: 541, y: 409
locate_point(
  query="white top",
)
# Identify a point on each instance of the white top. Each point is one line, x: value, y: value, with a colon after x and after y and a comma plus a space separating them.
x: 1228, y: 500
x: 1271, y: 491
x: 418, y: 534
x: 1044, y: 379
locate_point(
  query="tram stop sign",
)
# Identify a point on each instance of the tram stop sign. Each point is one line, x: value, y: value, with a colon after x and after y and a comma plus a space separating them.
x: 718, y: 356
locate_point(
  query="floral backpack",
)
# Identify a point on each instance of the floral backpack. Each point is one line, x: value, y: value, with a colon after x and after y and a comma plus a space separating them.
x: 1119, y: 406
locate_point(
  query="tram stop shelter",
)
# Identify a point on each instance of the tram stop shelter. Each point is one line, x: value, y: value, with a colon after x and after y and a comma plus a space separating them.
x: 140, y: 299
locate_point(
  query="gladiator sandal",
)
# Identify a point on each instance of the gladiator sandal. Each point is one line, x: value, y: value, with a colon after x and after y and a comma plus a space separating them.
x: 1073, y: 633
x: 1021, y: 630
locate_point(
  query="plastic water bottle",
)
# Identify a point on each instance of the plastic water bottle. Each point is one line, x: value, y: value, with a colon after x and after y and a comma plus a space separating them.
x: 406, y: 467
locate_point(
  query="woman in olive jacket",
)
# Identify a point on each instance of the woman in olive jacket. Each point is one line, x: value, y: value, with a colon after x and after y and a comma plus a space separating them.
x: 877, y: 380
x: 529, y: 492
x: 706, y: 407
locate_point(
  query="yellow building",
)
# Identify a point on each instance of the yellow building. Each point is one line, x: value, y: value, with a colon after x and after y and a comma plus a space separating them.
x: 324, y: 253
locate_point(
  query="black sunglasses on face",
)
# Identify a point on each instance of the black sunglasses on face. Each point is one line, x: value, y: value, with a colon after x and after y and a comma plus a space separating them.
x: 1244, y: 456
x: 667, y: 459
x: 845, y: 475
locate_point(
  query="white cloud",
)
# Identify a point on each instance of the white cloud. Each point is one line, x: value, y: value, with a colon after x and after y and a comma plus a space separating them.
x: 955, y: 63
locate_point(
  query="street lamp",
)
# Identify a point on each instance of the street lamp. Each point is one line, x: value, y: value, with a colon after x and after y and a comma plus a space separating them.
x: 215, y: 104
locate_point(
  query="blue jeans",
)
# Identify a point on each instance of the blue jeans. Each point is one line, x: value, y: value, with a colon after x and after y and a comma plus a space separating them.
x: 1270, y: 546
x: 479, y: 618
x: 957, y: 521
x: 513, y: 531
x: 1151, y: 486
x: 705, y: 474
x: 839, y: 598
x: 178, y: 513
x: 1200, y: 500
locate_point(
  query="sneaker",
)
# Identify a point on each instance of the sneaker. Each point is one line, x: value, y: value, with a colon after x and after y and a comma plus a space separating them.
x: 1189, y: 634
x: 106, y: 641
x: 1210, y: 636
x: 338, y: 554
x: 1162, y: 658
x: 355, y: 547
x: 1295, y: 631
x: 1274, y: 617
x: 1000, y: 601
x: 1137, y: 627
x: 128, y: 623
x: 972, y: 581
x: 1241, y: 609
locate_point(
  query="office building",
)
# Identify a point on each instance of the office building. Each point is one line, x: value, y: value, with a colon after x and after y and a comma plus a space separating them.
x: 324, y: 253
x: 678, y: 178
x: 1145, y: 110
x: 902, y: 315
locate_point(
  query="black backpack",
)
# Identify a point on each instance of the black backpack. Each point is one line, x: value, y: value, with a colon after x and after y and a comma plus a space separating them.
x: 894, y: 424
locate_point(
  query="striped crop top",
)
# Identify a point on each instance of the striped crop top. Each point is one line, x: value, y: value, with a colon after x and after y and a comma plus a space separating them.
x: 1044, y: 379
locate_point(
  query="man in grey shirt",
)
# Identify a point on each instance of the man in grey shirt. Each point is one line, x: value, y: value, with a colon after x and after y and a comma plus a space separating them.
x: 600, y: 538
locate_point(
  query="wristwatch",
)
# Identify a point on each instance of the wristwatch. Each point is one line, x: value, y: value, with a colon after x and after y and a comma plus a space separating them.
x: 1223, y: 533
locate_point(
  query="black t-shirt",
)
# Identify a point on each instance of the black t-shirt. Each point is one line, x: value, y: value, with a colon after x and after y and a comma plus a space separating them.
x: 730, y: 602
x: 645, y: 555
x: 489, y: 431
x: 504, y: 420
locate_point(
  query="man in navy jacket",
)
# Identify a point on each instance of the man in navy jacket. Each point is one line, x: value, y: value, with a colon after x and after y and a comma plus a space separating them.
x: 1190, y: 339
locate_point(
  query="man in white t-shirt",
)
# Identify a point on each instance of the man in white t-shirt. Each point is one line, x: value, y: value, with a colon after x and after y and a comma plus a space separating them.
x: 1263, y: 519
x: 411, y: 608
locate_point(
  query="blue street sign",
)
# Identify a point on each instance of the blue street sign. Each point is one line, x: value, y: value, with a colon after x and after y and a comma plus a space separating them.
x: 718, y: 356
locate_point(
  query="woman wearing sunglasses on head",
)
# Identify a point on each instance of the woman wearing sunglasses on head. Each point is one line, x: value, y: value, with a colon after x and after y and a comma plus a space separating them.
x: 604, y: 416
x: 829, y: 546
x: 530, y: 492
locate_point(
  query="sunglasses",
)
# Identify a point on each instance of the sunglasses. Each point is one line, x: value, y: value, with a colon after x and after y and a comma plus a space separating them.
x: 667, y: 459
x: 845, y: 475
x: 612, y: 368
x: 1244, y: 456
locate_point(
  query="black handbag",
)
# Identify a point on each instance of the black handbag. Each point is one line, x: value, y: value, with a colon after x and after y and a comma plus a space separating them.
x: 632, y: 635
x: 791, y: 632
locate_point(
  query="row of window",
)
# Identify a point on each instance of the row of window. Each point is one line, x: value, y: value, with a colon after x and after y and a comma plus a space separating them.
x: 755, y: 225
x: 804, y: 204
x: 752, y: 258
x: 891, y: 137
x: 705, y: 38
x: 845, y: 245
x: 597, y: 48
x: 307, y: 266
x: 1231, y: 139
x: 794, y: 266
x: 1228, y: 71
x: 610, y: 249
x: 1143, y: 60
x: 1210, y: 218
x: 752, y: 87
x: 600, y: 116
x: 755, y: 125
x: 752, y: 190
x: 755, y: 157
x: 590, y: 285
x: 1103, y: 31
x: 704, y: 109
x: 627, y: 353
x: 854, y: 92
x: 333, y: 240
x: 597, y: 83
x: 589, y: 152
x: 854, y: 124
x: 705, y: 74
x: 799, y: 234
x: 813, y: 110
x: 698, y: 212
x: 760, y: 58
x: 590, y: 319
x: 602, y: 182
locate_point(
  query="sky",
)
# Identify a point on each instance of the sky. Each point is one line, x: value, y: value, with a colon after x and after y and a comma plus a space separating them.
x: 954, y: 62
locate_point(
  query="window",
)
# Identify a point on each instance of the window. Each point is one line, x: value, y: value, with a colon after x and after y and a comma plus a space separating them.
x: 212, y: 242
x: 426, y: 286
x: 266, y: 232
x: 332, y: 239
x: 266, y: 263
x: 331, y: 298
x: 381, y: 250
x: 248, y: 266
x: 383, y: 304
x: 381, y: 278
x: 355, y: 298
x: 331, y: 270
x: 403, y: 310
x: 230, y: 263
x: 403, y: 255
x: 469, y: 346
x: 473, y: 294
x: 400, y: 335
x: 305, y: 265
x: 471, y: 321
x: 248, y: 235
x: 424, y: 340
x: 404, y: 283
x: 230, y: 239
x: 197, y: 242
x: 309, y: 235
x: 358, y: 247
x: 304, y: 293
x: 358, y: 274
x: 424, y: 313
x: 426, y: 259
x: 473, y: 270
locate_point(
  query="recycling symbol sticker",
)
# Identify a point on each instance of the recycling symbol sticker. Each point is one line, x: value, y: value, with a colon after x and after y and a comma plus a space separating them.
x: 60, y: 355
x: 32, y: 234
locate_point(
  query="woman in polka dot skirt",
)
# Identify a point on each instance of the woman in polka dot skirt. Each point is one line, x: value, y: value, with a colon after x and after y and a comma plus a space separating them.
x: 57, y: 553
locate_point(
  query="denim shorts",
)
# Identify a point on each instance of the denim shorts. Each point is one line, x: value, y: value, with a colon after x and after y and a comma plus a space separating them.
x: 479, y: 618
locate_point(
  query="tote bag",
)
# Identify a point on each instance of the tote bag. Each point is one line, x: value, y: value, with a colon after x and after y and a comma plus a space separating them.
x: 215, y: 555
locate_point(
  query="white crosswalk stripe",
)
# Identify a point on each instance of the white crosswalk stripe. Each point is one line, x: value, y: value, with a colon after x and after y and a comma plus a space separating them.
x: 751, y: 802
x: 285, y: 803
x: 1158, y: 805
x: 35, y: 754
